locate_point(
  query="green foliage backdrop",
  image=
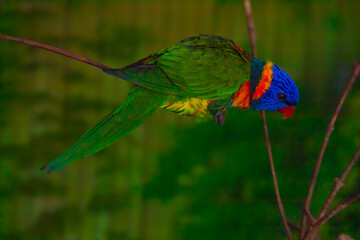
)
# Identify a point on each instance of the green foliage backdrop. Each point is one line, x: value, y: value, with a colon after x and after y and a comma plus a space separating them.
x: 174, y: 177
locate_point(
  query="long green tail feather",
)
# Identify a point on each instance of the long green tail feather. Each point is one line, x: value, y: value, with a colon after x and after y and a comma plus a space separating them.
x: 139, y: 105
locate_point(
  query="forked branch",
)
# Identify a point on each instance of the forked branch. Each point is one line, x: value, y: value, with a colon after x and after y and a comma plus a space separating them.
x: 330, y: 128
x: 314, y: 228
x: 336, y: 210
x: 338, y: 182
x: 308, y: 232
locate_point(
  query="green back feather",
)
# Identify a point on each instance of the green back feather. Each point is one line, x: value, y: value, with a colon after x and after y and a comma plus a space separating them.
x: 207, y: 67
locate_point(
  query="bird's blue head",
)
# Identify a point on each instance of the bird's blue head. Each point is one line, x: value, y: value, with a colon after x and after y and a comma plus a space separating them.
x: 272, y: 89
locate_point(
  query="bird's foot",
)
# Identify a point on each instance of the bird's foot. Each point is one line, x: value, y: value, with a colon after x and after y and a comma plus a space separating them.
x: 220, y: 118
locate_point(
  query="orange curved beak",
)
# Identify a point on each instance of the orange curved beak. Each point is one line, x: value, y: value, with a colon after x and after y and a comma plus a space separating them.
x: 287, y: 111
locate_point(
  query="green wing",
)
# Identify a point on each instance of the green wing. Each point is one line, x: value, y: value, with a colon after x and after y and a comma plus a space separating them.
x: 207, y: 67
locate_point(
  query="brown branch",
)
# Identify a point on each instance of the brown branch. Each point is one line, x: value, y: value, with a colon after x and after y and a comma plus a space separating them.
x: 312, y: 229
x: 276, y: 187
x: 297, y: 229
x: 310, y: 217
x: 303, y: 225
x: 293, y: 226
x: 54, y: 50
x: 252, y: 36
x: 330, y: 128
x: 251, y: 27
x: 339, y: 183
x: 336, y: 210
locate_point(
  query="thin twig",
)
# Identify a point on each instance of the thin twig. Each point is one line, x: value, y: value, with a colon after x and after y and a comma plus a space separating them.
x: 336, y: 210
x: 330, y: 214
x: 251, y: 27
x: 297, y: 229
x: 54, y: 50
x: 339, y: 183
x: 276, y: 186
x: 252, y: 36
x: 293, y: 226
x: 309, y: 216
x: 303, y: 225
x: 330, y: 128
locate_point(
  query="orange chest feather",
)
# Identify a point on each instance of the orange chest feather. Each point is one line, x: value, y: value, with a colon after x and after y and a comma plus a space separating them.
x: 242, y: 96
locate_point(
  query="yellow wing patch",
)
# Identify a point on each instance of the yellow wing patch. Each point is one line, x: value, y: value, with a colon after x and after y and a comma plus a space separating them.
x: 189, y: 107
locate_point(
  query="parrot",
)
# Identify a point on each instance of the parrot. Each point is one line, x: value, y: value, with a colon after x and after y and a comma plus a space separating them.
x: 201, y: 76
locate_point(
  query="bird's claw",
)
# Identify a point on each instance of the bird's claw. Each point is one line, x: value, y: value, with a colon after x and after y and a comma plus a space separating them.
x: 220, y: 118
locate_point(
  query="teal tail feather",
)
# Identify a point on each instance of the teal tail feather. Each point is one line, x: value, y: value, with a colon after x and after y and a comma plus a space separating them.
x: 136, y: 108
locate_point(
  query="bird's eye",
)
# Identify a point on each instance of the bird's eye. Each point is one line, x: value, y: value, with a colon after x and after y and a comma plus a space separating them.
x: 282, y: 97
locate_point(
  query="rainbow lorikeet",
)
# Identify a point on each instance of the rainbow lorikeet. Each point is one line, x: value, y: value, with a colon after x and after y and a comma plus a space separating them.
x: 200, y: 76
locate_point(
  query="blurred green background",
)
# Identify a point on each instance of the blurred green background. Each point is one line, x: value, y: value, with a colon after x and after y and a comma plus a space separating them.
x: 174, y: 177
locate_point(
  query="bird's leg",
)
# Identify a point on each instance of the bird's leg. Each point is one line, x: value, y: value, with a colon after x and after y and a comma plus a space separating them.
x: 220, y: 118
x: 217, y: 109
